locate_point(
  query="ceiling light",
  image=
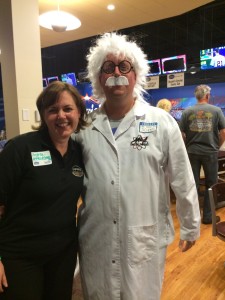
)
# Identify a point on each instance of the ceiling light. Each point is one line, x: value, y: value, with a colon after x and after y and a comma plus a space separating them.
x: 193, y: 70
x: 111, y: 7
x: 59, y: 21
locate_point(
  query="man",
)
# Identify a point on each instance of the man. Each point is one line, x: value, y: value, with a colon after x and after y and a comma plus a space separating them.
x: 203, y: 128
x: 131, y: 151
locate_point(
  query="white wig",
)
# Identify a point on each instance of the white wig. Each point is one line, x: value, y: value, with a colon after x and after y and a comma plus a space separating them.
x: 118, y: 45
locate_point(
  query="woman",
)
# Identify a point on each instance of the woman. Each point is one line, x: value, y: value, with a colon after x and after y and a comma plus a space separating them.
x: 41, y: 178
x: 164, y: 104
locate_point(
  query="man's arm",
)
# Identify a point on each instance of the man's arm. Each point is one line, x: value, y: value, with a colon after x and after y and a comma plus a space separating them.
x: 222, y: 136
x: 183, y: 184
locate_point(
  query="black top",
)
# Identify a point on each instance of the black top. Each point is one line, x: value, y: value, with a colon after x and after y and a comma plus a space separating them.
x: 40, y: 190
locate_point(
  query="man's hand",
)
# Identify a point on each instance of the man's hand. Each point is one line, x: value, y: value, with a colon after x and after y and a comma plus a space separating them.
x: 185, y: 245
x: 3, y: 280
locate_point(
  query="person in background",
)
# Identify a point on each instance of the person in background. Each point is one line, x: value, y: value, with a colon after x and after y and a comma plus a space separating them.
x: 125, y: 223
x: 41, y: 179
x: 203, y: 129
x: 164, y: 104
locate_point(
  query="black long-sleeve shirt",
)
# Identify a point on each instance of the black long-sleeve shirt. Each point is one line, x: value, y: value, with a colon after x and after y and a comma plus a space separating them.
x: 40, y: 190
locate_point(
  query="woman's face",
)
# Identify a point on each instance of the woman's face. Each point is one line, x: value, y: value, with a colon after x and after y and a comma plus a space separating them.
x: 62, y: 117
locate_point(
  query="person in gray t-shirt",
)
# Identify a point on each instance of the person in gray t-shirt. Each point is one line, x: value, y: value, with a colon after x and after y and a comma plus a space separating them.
x: 203, y: 129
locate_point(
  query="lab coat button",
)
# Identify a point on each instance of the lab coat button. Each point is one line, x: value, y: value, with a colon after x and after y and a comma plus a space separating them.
x: 113, y: 261
x: 112, y: 182
x: 114, y: 221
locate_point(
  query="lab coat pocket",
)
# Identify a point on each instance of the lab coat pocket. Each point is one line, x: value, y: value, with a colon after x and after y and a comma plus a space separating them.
x: 141, y: 244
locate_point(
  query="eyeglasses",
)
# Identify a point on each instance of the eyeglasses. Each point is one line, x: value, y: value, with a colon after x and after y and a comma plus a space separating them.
x: 109, y: 67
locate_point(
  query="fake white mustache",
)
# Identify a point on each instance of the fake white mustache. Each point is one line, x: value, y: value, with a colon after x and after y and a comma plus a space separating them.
x: 113, y: 81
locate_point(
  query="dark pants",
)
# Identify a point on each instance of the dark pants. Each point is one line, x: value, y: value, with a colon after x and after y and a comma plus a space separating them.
x: 40, y: 279
x: 209, y: 164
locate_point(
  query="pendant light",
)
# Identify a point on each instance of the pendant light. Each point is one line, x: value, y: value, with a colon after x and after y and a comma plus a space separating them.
x: 59, y: 21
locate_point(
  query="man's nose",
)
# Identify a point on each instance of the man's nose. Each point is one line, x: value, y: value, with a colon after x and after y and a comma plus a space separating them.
x: 117, y: 71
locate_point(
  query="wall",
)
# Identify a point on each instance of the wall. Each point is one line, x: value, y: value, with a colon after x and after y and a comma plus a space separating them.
x: 187, y: 34
x: 183, y: 97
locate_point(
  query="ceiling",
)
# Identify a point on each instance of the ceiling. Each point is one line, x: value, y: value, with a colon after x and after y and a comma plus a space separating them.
x: 96, y: 19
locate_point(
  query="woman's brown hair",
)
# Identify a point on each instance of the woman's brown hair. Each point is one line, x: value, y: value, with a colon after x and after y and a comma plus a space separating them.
x: 51, y: 94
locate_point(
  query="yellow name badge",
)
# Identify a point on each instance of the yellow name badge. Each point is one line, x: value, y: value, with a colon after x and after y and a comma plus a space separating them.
x: 42, y: 158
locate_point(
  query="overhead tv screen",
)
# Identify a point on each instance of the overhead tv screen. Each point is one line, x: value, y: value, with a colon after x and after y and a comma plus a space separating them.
x: 174, y: 64
x: 44, y: 82
x: 212, y: 58
x: 53, y: 78
x: 69, y: 78
x: 155, y: 68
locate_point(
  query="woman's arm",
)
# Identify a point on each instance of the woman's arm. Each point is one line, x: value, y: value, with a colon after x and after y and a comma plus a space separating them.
x: 3, y: 280
x: 2, y: 210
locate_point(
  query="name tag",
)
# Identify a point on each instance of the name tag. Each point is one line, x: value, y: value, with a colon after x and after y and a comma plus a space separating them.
x: 145, y: 127
x: 42, y: 158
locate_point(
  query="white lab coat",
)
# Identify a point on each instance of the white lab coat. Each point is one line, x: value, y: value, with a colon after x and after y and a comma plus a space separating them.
x: 126, y: 219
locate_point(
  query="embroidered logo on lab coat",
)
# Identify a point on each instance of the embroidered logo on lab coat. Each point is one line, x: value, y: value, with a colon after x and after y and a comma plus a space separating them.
x: 77, y: 171
x: 42, y: 158
x: 145, y: 127
x: 139, y: 142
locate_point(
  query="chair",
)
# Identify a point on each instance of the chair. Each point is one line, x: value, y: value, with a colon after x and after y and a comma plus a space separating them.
x: 220, y: 176
x: 217, y: 200
x: 221, y: 169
